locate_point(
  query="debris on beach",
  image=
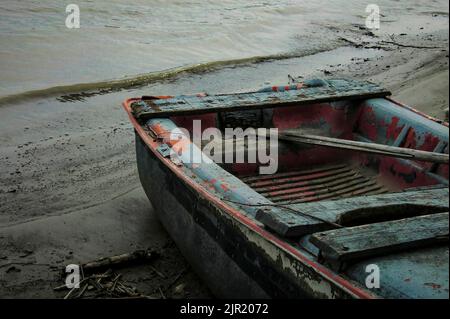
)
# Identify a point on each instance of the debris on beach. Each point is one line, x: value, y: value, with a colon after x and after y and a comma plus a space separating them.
x: 100, y: 278
x: 97, y: 283
x: 106, y: 285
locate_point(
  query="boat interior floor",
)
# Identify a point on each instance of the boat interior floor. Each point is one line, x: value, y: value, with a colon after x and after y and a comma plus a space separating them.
x: 320, y: 182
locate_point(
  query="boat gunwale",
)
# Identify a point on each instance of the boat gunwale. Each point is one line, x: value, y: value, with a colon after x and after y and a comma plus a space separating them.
x: 424, y: 115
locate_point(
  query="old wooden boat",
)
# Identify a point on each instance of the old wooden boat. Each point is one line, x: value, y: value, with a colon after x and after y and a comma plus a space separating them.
x: 331, y: 222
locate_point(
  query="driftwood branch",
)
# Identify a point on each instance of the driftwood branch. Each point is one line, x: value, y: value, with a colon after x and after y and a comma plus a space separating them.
x: 377, y: 45
x: 108, y: 284
x: 410, y: 45
x: 137, y: 256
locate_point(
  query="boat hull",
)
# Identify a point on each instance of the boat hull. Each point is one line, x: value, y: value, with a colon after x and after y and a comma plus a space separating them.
x: 234, y: 261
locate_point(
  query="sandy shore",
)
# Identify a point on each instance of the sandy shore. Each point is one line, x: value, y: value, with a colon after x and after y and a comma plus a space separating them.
x: 69, y: 189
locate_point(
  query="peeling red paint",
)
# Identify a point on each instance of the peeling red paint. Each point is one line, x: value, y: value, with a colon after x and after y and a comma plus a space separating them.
x: 186, y: 122
x: 404, y: 175
x: 367, y: 123
x: 393, y: 130
x: 443, y: 171
x: 410, y: 140
x: 338, y: 121
x: 429, y: 143
x: 224, y: 187
x: 433, y: 285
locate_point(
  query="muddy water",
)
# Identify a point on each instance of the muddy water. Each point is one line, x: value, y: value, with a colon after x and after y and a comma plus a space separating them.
x: 121, y: 39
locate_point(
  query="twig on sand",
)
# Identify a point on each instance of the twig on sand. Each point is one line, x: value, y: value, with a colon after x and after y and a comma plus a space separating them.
x: 69, y: 294
x: 355, y: 44
x: 156, y: 271
x: 161, y: 292
x: 59, y: 288
x: 176, y: 278
x: 379, y: 45
x: 119, y: 260
x: 108, y: 284
x: 410, y: 45
x: 83, y: 290
x: 115, y: 282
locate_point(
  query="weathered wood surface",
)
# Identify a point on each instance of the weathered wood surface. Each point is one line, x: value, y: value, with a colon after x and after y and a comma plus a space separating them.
x: 332, y: 90
x: 373, y: 148
x: 351, y: 211
x: 352, y: 243
x: 119, y: 260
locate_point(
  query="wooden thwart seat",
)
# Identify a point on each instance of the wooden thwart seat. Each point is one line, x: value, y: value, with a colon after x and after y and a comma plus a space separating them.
x: 293, y: 221
x: 345, y: 244
x: 331, y: 90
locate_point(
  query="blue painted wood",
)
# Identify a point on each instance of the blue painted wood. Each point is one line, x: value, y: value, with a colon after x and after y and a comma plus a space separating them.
x: 364, y: 241
x: 421, y: 273
x: 331, y: 90
x: 384, y: 111
x: 401, y: 137
x: 442, y: 180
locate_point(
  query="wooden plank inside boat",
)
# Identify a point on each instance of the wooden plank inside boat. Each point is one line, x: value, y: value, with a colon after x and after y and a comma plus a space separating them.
x: 353, y: 210
x: 381, y: 238
x: 329, y: 90
x: 298, y: 137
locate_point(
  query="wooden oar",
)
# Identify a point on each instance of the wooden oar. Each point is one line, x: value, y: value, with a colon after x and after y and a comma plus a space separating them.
x: 296, y: 136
